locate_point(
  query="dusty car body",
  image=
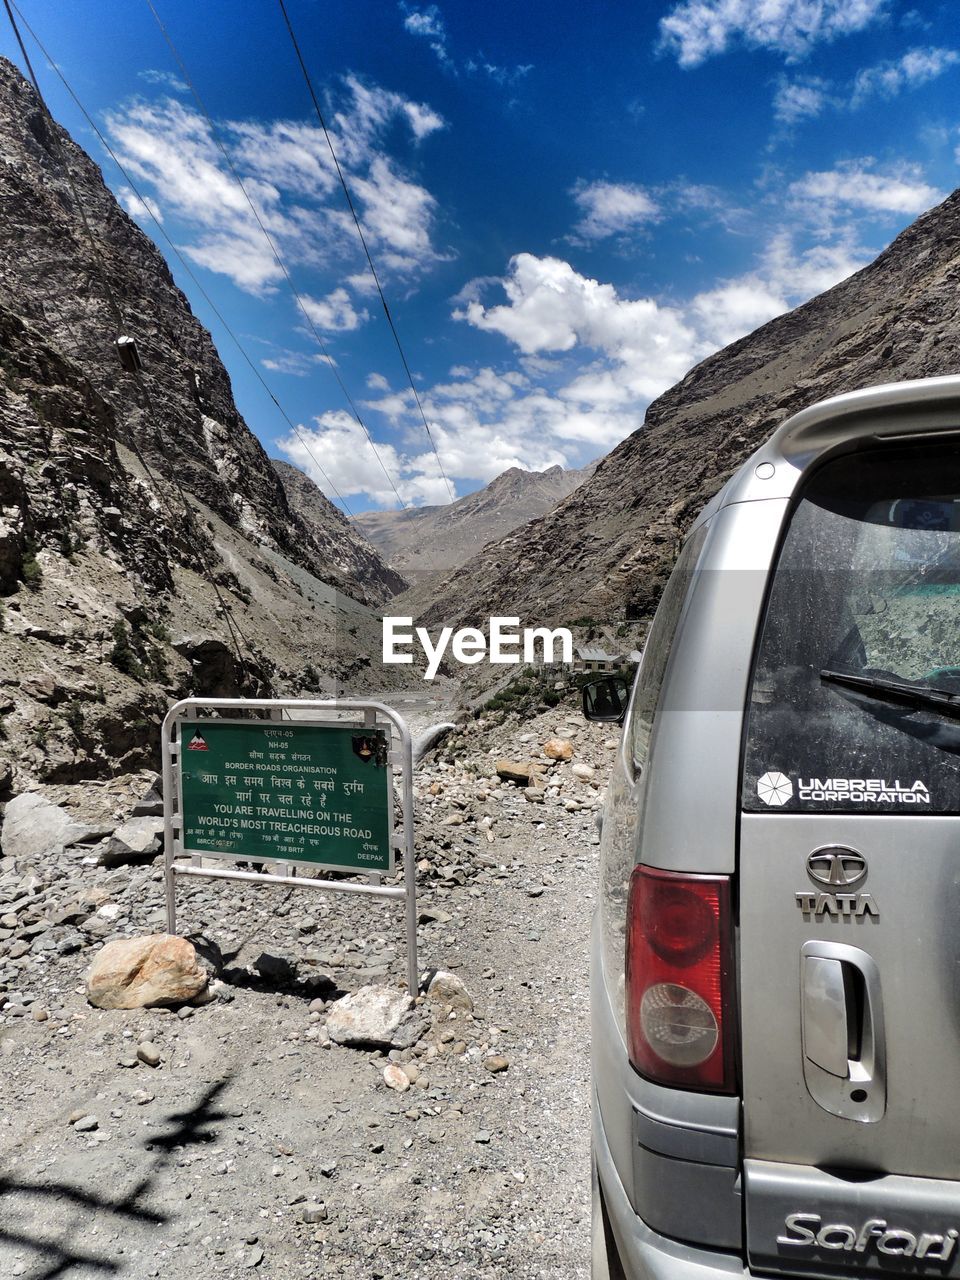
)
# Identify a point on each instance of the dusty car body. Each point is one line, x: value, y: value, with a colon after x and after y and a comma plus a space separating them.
x: 776, y: 951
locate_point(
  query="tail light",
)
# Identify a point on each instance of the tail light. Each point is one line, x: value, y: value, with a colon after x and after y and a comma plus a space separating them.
x: 679, y: 979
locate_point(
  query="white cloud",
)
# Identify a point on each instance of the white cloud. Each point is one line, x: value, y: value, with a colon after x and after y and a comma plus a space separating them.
x: 296, y: 363
x: 699, y: 29
x: 500, y: 75
x: 340, y: 446
x: 287, y: 170
x: 797, y: 100
x: 857, y: 184
x: 590, y: 362
x: 397, y: 217
x: 551, y: 307
x: 335, y: 313
x: 425, y: 22
x: 165, y: 78
x: 916, y: 67
x: 612, y: 208
x: 142, y: 209
x: 428, y: 25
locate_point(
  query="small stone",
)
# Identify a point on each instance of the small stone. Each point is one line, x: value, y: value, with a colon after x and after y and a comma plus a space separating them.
x: 313, y: 1213
x: 446, y: 988
x: 142, y: 1097
x: 482, y: 1136
x: 496, y: 1062
x: 129, y: 1060
x: 533, y: 795
x: 558, y: 749
x: 39, y: 1015
x: 582, y: 771
x: 86, y: 1124
x: 74, y: 1116
x: 521, y: 773
x: 395, y: 1077
x: 148, y: 1053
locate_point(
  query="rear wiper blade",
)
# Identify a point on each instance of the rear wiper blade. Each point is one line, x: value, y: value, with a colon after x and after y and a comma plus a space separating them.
x: 898, y: 691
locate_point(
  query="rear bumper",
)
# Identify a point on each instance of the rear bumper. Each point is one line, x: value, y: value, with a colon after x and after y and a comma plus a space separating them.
x: 644, y: 1254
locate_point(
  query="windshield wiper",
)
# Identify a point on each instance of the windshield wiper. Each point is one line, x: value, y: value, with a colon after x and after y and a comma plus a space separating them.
x: 898, y: 691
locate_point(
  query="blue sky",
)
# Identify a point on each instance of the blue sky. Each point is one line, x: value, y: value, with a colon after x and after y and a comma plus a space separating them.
x: 568, y: 204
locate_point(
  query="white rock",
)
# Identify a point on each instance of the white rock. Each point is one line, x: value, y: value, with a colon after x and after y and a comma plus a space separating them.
x: 395, y: 1077
x: 582, y: 771
x: 373, y: 1015
x: 33, y: 826
x: 136, y: 841
x: 446, y: 988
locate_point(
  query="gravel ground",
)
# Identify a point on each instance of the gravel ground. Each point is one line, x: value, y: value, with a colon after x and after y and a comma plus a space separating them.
x: 258, y: 1147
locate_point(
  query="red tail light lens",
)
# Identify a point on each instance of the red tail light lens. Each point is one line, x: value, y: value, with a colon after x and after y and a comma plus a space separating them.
x: 679, y: 977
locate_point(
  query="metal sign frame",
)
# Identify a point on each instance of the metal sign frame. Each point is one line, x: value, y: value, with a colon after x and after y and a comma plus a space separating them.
x: 402, y: 839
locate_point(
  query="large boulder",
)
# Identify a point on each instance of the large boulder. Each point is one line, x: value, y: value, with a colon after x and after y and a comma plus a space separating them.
x: 33, y: 827
x: 137, y: 973
x: 375, y: 1017
x: 134, y: 842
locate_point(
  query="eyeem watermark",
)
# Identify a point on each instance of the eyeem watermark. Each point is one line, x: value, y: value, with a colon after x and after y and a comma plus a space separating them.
x: 506, y: 643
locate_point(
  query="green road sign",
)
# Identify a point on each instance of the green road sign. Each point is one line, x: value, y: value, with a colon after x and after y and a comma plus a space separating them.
x: 296, y: 792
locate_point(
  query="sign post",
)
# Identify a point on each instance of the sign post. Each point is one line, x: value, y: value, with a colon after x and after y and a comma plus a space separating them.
x: 314, y: 792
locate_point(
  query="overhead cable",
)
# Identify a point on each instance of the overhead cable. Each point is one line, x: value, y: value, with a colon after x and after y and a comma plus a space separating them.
x: 183, y: 262
x: 356, y: 221
x: 236, y: 635
x: 215, y: 134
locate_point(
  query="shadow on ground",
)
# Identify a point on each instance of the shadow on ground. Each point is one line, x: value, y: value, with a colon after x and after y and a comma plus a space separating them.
x: 58, y: 1253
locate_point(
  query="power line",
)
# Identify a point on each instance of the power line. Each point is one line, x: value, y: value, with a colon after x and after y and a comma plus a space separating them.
x: 214, y: 133
x: 232, y: 626
x: 356, y: 220
x: 183, y: 262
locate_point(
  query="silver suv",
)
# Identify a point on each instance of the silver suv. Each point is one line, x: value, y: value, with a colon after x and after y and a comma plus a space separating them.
x: 776, y: 953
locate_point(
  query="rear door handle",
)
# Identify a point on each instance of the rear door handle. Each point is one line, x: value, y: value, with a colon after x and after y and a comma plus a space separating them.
x: 844, y: 1055
x: 826, y: 1029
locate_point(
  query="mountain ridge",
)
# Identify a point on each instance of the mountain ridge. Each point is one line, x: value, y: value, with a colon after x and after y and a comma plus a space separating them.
x: 604, y: 552
x: 431, y: 538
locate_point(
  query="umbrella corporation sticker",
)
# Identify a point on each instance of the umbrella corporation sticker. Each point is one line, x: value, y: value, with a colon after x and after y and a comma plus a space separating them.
x: 775, y: 790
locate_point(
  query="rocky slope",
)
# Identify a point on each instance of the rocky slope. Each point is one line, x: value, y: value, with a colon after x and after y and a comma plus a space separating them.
x: 605, y: 550
x: 444, y: 537
x: 347, y: 550
x: 147, y: 547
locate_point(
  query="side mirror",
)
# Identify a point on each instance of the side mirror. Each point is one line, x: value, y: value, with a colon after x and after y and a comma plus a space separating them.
x: 605, y: 700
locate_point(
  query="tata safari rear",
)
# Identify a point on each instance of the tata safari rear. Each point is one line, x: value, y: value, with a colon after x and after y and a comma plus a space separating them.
x: 776, y: 956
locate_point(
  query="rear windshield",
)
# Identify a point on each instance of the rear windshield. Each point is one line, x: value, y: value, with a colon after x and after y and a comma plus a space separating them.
x: 855, y: 703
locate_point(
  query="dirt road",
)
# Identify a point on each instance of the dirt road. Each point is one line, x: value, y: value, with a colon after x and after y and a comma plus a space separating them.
x: 256, y: 1146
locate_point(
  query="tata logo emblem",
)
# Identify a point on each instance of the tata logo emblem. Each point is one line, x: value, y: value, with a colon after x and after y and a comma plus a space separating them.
x: 836, y: 866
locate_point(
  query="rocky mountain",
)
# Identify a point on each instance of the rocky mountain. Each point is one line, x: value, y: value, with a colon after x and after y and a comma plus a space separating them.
x: 147, y: 546
x: 444, y: 537
x: 345, y: 548
x: 604, y: 552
